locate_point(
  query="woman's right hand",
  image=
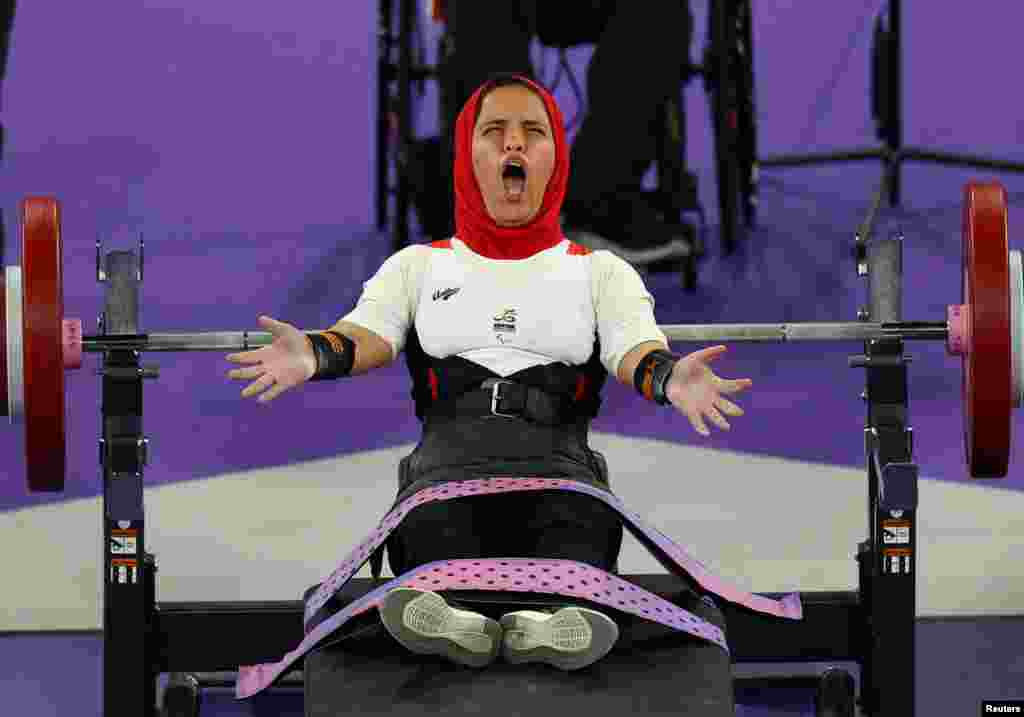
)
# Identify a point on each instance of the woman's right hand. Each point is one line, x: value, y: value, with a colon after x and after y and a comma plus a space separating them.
x: 287, y: 362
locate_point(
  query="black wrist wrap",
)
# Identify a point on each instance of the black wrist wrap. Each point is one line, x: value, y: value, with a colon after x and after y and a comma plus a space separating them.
x: 335, y: 353
x: 652, y: 373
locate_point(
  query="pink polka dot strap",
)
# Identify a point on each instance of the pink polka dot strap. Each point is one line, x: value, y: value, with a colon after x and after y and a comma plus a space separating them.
x: 557, y: 577
x: 667, y: 552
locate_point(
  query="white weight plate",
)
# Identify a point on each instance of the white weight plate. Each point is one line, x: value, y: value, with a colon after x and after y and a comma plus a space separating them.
x: 15, y: 346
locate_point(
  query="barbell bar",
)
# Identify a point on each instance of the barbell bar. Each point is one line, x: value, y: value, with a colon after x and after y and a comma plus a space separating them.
x: 822, y: 331
x: 680, y: 333
x: 984, y: 331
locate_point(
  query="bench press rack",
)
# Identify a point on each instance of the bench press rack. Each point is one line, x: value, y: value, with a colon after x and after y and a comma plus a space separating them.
x: 198, y: 642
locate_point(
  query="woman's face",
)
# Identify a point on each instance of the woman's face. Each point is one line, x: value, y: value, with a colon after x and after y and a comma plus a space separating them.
x: 513, y: 129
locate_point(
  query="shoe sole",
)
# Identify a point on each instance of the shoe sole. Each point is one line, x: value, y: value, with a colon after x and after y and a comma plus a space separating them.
x: 569, y: 639
x: 425, y: 624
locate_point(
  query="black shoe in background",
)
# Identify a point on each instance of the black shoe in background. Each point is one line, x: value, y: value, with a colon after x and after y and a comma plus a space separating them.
x: 630, y: 228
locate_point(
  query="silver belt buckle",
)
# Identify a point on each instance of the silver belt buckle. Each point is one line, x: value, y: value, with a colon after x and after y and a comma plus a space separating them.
x: 495, y: 389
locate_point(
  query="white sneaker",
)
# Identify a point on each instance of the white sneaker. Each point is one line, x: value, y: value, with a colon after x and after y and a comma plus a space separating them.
x: 422, y: 622
x: 568, y: 639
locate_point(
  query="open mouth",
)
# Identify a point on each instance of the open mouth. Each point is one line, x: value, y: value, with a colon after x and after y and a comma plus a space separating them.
x: 513, y: 176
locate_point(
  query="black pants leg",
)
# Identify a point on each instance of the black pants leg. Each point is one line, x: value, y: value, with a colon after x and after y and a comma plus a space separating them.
x: 640, y: 62
x: 443, y: 529
x: 572, y: 526
x: 6, y: 26
x: 483, y: 39
x: 554, y: 525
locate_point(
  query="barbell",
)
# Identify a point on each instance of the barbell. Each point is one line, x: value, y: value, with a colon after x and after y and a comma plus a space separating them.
x: 984, y: 330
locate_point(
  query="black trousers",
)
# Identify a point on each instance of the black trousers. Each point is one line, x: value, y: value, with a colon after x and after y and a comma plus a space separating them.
x: 535, y: 524
x: 6, y: 26
x: 641, y: 59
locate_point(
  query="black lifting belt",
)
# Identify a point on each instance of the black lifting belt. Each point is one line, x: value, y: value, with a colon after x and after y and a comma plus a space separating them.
x: 500, y: 397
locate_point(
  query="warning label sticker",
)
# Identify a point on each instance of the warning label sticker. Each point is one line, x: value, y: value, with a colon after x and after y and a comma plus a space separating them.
x: 896, y: 561
x: 124, y: 542
x: 124, y: 572
x: 895, y: 532
x: 896, y: 536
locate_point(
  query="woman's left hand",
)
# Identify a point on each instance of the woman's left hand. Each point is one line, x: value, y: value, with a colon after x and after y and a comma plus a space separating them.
x: 696, y: 391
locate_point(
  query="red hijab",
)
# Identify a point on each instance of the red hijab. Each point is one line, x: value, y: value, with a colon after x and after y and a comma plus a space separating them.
x: 473, y: 225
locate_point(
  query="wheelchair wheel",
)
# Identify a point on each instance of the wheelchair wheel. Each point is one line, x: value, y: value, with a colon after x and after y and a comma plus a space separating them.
x: 881, y: 111
x: 835, y: 696
x: 747, y: 116
x: 728, y: 75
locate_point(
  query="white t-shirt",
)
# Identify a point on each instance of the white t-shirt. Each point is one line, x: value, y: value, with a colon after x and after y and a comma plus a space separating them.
x: 509, y: 315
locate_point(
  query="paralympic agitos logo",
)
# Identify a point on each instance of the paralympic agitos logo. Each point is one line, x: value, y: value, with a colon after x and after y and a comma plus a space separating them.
x: 504, y: 323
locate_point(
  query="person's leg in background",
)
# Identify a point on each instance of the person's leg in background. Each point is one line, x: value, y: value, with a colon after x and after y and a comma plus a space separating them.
x: 641, y: 60
x: 6, y: 26
x: 482, y: 39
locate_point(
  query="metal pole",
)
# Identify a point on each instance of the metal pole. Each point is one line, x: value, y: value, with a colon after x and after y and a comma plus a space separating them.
x: 894, y: 141
x: 129, y: 687
x: 208, y: 341
x: 821, y: 331
x: 885, y: 279
x: 888, y: 660
x: 838, y: 331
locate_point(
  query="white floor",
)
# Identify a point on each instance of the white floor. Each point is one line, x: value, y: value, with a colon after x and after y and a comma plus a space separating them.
x: 767, y: 524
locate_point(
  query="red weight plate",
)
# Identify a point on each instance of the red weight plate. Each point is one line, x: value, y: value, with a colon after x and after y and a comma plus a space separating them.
x: 42, y: 280
x: 3, y: 342
x: 987, y: 367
